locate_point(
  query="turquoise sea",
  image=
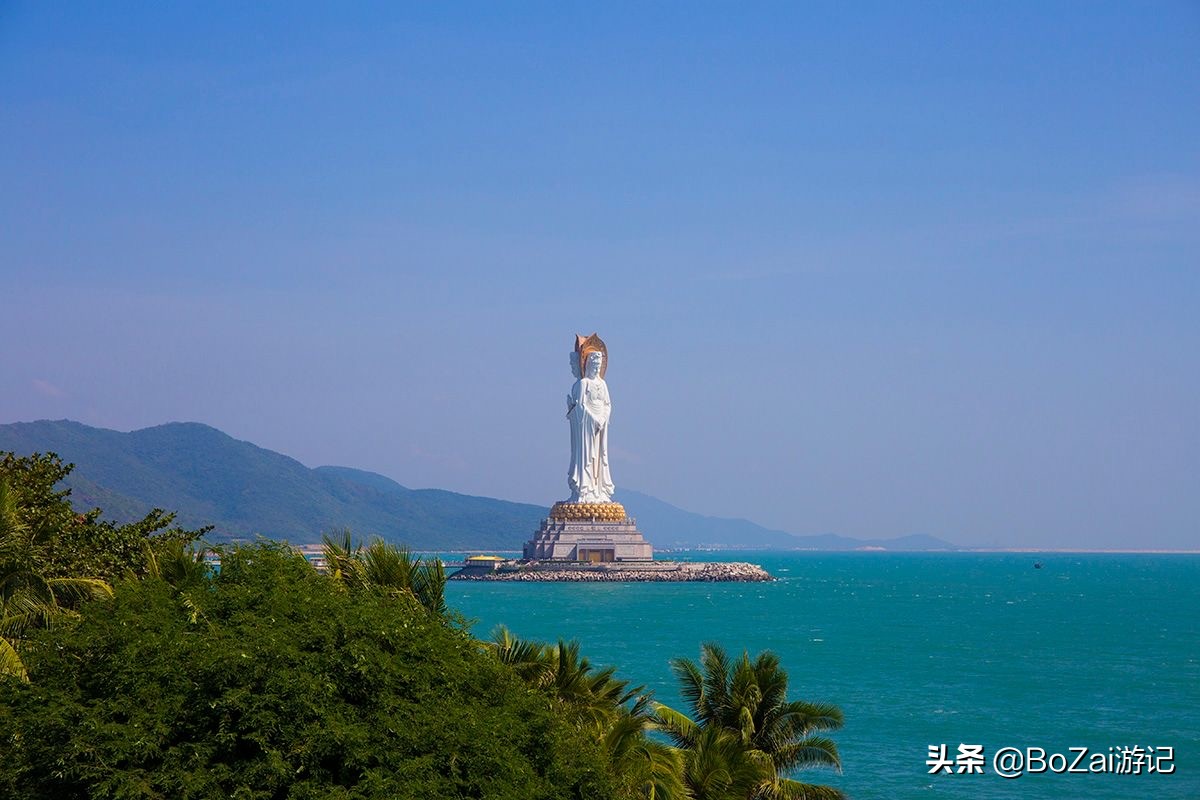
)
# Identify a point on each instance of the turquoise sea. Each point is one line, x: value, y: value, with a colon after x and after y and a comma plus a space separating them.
x: 1095, y: 650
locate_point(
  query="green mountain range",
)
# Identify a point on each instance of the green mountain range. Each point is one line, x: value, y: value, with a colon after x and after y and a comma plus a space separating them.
x: 210, y: 478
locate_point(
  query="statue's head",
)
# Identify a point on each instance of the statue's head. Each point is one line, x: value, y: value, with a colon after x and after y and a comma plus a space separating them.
x: 585, y: 348
x: 595, y: 361
x: 575, y: 364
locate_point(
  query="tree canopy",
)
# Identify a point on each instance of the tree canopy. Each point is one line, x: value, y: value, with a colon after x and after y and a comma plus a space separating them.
x: 73, y: 543
x: 283, y: 685
x: 53, y: 558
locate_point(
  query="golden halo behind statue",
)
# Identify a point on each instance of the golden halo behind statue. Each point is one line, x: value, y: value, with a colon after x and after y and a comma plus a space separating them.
x: 591, y: 344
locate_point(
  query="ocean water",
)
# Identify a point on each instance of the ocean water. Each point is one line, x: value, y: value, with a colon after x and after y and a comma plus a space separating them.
x: 1093, y: 651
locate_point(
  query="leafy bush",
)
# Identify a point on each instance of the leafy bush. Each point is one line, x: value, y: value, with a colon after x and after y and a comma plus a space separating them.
x: 266, y: 680
x: 66, y: 542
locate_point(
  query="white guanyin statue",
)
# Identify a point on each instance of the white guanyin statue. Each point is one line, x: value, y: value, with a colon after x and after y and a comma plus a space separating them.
x: 588, y: 409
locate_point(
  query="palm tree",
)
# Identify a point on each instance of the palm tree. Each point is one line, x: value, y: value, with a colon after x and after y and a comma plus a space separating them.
x: 29, y: 598
x: 593, y: 695
x: 589, y: 695
x: 182, y: 567
x: 743, y: 705
x: 651, y: 768
x: 343, y: 559
x: 531, y: 660
x: 715, y: 764
x: 618, y: 715
x: 176, y: 562
x: 385, y: 568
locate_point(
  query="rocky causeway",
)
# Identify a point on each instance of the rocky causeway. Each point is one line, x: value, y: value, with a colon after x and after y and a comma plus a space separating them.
x: 662, y: 571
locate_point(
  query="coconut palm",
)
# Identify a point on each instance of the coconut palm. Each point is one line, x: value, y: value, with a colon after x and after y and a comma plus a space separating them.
x: 594, y: 695
x: 429, y: 584
x: 176, y: 562
x: 651, y: 768
x: 181, y: 566
x: 386, y: 568
x: 590, y: 695
x: 715, y: 764
x: 531, y: 660
x: 618, y: 715
x: 744, y: 704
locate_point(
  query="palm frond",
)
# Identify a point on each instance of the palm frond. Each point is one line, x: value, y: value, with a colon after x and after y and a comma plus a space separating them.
x: 24, y: 586
x: 806, y: 717
x: 10, y: 661
x: 342, y: 558
x: 70, y: 592
x: 531, y: 660
x: 194, y: 611
x: 429, y: 584
x: 716, y: 682
x: 789, y: 789
x: 655, y: 770
x: 388, y: 567
x: 177, y: 562
x: 807, y: 753
x: 717, y: 765
x: 691, y: 684
x: 12, y: 530
x: 678, y: 727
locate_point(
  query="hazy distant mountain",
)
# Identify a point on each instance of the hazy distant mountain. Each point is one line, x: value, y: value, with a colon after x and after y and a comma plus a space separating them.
x: 674, y: 527
x: 210, y: 478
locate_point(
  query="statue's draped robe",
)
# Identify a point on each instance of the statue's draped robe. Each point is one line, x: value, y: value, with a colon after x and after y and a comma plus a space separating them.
x: 588, y: 476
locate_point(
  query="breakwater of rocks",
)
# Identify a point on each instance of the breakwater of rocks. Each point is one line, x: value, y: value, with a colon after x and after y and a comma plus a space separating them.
x: 665, y: 571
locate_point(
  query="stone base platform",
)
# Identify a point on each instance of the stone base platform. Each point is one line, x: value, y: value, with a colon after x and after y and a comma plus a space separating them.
x: 649, y: 571
x: 592, y: 540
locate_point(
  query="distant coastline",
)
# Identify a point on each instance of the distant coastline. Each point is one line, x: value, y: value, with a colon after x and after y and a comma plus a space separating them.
x: 1077, y: 551
x: 957, y: 550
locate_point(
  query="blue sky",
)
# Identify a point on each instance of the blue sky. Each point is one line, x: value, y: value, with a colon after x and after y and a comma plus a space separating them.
x: 872, y: 269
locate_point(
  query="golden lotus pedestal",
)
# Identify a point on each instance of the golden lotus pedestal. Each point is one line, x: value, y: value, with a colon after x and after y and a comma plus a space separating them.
x: 595, y: 533
x: 609, y: 512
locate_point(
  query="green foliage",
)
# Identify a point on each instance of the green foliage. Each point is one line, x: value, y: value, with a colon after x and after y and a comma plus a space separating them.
x: 588, y: 695
x: 69, y: 543
x: 53, y: 558
x: 285, y: 685
x: 387, y: 569
x: 29, y: 597
x: 746, y: 736
x: 645, y: 766
x: 608, y: 709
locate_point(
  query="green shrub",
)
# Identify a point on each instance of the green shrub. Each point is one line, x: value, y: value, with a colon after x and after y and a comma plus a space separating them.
x: 265, y: 680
